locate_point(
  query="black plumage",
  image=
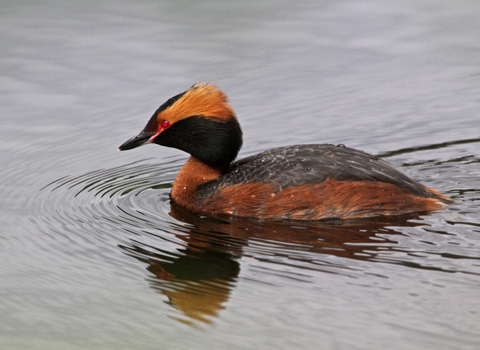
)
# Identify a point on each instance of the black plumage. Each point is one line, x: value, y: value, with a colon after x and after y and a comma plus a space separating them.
x: 211, y: 140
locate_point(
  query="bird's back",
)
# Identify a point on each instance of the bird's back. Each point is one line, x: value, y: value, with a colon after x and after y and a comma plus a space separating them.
x: 295, y: 168
x: 312, y: 164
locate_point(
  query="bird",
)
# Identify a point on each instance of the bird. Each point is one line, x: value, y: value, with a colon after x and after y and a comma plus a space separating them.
x: 296, y: 182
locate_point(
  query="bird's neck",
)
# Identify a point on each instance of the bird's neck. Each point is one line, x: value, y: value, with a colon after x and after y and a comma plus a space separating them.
x: 193, y: 174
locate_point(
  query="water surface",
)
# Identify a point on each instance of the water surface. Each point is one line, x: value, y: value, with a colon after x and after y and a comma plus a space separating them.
x: 93, y: 255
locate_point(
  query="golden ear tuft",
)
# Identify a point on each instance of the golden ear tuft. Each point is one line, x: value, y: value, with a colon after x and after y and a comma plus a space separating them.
x: 200, y: 100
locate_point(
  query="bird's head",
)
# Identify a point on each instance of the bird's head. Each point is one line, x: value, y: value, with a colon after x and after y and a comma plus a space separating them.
x: 198, y: 121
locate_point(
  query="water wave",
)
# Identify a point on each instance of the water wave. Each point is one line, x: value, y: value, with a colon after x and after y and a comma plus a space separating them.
x: 194, y: 260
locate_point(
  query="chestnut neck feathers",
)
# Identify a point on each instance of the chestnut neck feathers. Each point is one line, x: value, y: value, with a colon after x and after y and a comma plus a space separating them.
x: 198, y: 121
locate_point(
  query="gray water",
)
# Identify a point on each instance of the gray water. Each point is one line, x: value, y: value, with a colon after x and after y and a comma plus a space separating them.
x: 92, y: 255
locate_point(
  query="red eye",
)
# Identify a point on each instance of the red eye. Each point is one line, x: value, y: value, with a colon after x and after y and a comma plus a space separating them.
x: 165, y: 124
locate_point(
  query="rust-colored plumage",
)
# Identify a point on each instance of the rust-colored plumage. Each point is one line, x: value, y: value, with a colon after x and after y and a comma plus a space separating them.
x: 327, y: 200
x: 300, y: 182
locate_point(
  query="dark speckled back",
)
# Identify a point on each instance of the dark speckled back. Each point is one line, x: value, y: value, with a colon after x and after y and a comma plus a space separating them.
x: 312, y: 164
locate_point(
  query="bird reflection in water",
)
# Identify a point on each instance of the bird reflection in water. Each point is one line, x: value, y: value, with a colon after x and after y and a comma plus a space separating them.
x: 199, y: 277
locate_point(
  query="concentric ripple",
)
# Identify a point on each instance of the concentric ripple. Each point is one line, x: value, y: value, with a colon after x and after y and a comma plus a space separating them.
x: 194, y: 260
x: 124, y: 197
x: 130, y: 205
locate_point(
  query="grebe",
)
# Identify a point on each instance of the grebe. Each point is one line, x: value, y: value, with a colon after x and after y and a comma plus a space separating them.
x: 300, y: 182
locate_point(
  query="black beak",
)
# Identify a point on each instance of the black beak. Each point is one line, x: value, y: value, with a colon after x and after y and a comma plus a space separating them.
x: 136, y: 141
